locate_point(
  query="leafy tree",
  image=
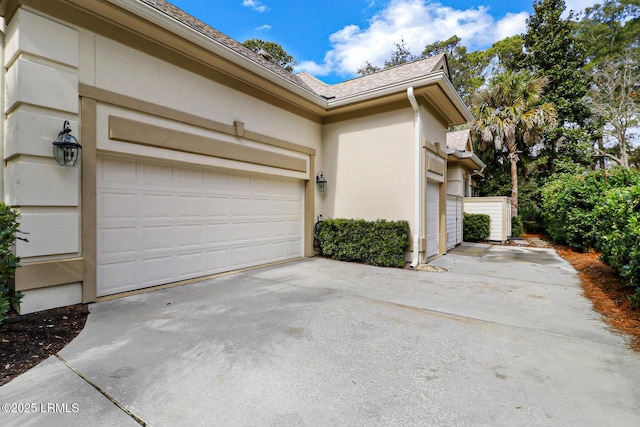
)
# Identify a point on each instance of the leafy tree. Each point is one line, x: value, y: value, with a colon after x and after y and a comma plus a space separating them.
x: 609, y: 29
x: 510, y: 115
x: 615, y: 98
x: 552, y: 51
x: 507, y: 54
x: 274, y: 51
x: 465, y: 69
x: 400, y: 56
x: 367, y: 68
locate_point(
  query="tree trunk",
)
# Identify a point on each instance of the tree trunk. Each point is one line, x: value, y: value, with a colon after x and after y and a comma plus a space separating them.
x: 601, y: 150
x: 513, y: 157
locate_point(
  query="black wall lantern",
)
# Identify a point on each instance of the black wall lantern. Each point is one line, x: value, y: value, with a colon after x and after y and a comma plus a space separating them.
x: 321, y: 182
x: 66, y: 149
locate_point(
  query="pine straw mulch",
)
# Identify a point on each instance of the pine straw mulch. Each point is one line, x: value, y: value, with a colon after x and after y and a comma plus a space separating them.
x: 28, y: 339
x: 605, y: 289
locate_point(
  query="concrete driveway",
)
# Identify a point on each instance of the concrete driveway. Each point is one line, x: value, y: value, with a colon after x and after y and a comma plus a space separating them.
x: 503, y: 338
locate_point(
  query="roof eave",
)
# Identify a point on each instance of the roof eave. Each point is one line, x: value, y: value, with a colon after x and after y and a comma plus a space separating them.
x: 469, y: 159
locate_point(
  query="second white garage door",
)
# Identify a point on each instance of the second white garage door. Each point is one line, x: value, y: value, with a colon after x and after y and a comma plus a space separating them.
x: 159, y: 223
x: 433, y: 217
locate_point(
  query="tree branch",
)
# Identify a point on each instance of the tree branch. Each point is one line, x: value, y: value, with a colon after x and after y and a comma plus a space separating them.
x: 605, y: 154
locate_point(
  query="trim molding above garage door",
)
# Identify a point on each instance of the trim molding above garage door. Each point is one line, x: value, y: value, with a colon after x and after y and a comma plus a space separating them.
x: 126, y: 130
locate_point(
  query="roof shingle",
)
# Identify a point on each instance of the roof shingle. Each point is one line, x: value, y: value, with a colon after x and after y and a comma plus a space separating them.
x: 457, y: 140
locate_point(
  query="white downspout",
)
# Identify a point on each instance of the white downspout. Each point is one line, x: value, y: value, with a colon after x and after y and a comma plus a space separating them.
x: 418, y: 176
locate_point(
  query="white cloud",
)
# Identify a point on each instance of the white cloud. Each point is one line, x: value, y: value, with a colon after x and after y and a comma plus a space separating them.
x: 511, y: 24
x: 579, y: 5
x: 255, y: 5
x: 418, y: 23
x: 265, y: 27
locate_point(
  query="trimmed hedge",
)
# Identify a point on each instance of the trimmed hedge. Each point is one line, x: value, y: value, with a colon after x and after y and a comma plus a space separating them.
x: 619, y: 238
x: 380, y: 242
x: 476, y: 227
x: 569, y: 202
x: 517, y: 229
x: 8, y: 260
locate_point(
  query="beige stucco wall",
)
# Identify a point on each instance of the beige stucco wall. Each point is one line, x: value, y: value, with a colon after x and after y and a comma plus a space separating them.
x: 370, y: 166
x: 115, y: 67
x: 368, y: 163
x: 41, y: 62
x: 455, y: 181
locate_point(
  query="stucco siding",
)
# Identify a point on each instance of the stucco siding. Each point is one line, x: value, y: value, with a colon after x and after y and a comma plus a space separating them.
x: 455, y: 182
x: 121, y: 69
x: 369, y: 167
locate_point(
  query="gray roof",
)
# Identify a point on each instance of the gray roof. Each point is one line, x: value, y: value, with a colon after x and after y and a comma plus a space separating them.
x: 375, y: 80
x: 306, y: 81
x: 457, y: 140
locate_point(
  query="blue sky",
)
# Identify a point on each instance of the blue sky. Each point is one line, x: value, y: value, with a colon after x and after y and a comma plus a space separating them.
x: 332, y: 38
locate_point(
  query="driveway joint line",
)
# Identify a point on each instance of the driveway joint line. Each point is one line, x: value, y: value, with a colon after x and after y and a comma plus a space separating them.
x: 103, y: 392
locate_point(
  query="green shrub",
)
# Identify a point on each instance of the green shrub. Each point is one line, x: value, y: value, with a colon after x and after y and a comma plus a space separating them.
x: 532, y: 227
x: 517, y: 229
x: 619, y: 237
x: 569, y: 202
x: 476, y: 227
x: 380, y: 242
x: 8, y: 260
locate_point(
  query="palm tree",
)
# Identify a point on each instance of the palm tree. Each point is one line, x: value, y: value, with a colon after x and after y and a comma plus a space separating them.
x: 509, y: 114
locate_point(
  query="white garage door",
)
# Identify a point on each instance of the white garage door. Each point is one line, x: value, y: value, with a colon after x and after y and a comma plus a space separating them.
x: 454, y: 221
x: 159, y: 223
x: 433, y: 216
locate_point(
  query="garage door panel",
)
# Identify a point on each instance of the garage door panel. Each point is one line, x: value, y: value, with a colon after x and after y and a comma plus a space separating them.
x: 157, y: 205
x: 241, y: 256
x: 218, y: 206
x: 279, y: 250
x: 279, y: 229
x: 294, y: 228
x: 218, y: 260
x: 279, y: 207
x: 191, y: 235
x: 240, y: 183
x: 261, y: 230
x: 294, y: 208
x: 154, y: 175
x: 241, y: 206
x: 157, y: 238
x: 215, y: 181
x: 190, y: 265
x: 121, y: 275
x: 241, y: 232
x: 261, y: 207
x: 261, y: 253
x: 118, y: 172
x: 191, y: 207
x: 173, y: 222
x: 190, y: 179
x: 155, y: 270
x: 118, y: 241
x: 218, y: 233
x: 118, y: 205
x: 294, y: 247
